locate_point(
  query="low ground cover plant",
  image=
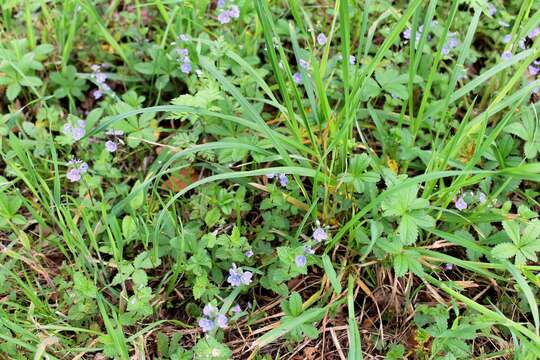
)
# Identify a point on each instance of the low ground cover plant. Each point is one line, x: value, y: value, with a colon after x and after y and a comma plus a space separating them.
x: 255, y: 179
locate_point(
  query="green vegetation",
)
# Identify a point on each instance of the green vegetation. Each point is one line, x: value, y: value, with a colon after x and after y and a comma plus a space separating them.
x: 252, y: 179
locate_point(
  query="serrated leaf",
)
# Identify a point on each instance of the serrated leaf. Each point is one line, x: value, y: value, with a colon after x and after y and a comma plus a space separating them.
x: 504, y: 251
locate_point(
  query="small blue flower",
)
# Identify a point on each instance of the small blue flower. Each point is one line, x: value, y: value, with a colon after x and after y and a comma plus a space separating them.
x: 448, y: 267
x: 97, y: 94
x: 73, y: 175
x: 352, y: 59
x: 183, y: 37
x: 303, y: 64
x: 492, y: 10
x: 534, y: 33
x: 100, y: 77
x: 308, y: 250
x: 182, y: 52
x: 236, y: 309
x: 77, y: 168
x: 210, y: 310
x: 221, y: 3
x: 482, y: 197
x: 234, y: 12
x: 221, y: 321
x: 300, y: 260
x: 206, y: 324
x: 507, y: 38
x: 249, y: 253
x: 297, y: 77
x: 238, y: 277
x: 507, y: 55
x: 76, y: 132
x: 320, y: 235
x: 460, y: 204
x: 283, y: 180
x: 224, y: 17
x: 533, y: 70
x: 321, y: 39
x: 110, y: 146
x: 186, y: 68
x: 246, y: 277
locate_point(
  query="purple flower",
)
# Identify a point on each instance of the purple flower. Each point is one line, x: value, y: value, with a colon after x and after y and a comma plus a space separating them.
x: 535, y: 90
x: 95, y: 67
x: 448, y: 267
x: 482, y: 197
x: 97, y: 94
x: 221, y: 321
x: 115, y: 132
x: 320, y: 235
x: 451, y: 43
x: 236, y: 309
x: 110, y: 146
x: 76, y: 132
x: 77, y: 168
x: 73, y: 175
x: 407, y: 33
x: 445, y: 49
x: 460, y: 204
x: 206, y: 324
x: 303, y: 64
x: 533, y: 70
x: 492, y: 10
x: 100, y: 77
x: 105, y: 87
x: 300, y: 260
x: 224, y: 17
x: 221, y: 3
x: 507, y: 55
x: 234, y: 12
x: 297, y: 77
x: 507, y: 38
x: 238, y: 277
x: 352, y: 60
x: 234, y: 279
x: 534, y: 33
x: 182, y: 52
x: 283, y: 180
x: 249, y: 253
x: 321, y: 39
x: 210, y: 310
x: 186, y: 68
x: 308, y: 250
x: 522, y: 45
x: 246, y: 277
x: 183, y: 37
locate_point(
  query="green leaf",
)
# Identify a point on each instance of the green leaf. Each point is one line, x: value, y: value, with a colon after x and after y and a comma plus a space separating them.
x: 504, y: 251
x: 512, y: 230
x: 331, y: 273
x: 295, y: 304
x: 13, y: 90
x: 401, y: 265
x: 84, y: 286
x: 138, y: 199
x: 407, y: 230
x: 212, y: 217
